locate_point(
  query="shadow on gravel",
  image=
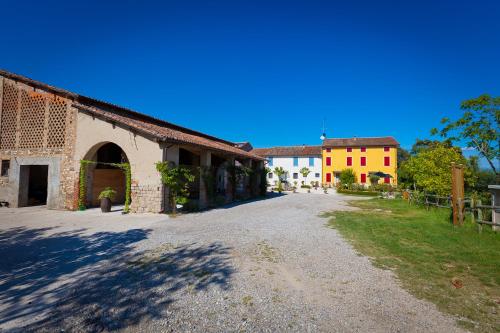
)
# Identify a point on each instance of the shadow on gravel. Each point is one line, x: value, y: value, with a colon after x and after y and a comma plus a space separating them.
x: 102, y: 285
x: 270, y: 195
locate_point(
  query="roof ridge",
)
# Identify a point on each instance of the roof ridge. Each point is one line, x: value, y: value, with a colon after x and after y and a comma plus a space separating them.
x: 90, y: 101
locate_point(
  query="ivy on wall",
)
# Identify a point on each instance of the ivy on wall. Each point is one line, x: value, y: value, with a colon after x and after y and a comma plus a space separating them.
x: 125, y: 167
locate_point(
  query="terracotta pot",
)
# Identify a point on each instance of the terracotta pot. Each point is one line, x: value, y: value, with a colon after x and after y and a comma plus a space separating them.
x: 105, y: 205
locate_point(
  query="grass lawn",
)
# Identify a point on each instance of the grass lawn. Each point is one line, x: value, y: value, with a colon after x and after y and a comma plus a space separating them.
x: 457, y: 268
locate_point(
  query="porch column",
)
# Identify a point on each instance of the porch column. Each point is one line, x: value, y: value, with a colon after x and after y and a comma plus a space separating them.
x: 248, y: 179
x: 205, y: 162
x: 227, y: 181
x: 258, y: 167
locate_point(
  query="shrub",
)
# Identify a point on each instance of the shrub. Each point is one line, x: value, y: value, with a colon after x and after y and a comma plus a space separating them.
x: 348, y: 177
x: 305, y: 186
x: 108, y: 193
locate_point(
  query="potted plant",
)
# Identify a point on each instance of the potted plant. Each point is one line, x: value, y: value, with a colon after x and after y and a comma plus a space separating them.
x: 294, y: 187
x: 106, y: 196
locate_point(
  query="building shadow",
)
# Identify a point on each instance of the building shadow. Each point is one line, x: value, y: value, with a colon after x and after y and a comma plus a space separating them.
x: 268, y: 196
x: 77, y: 282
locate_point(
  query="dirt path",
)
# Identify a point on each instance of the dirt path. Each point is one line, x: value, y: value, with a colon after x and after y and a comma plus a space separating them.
x: 265, y: 266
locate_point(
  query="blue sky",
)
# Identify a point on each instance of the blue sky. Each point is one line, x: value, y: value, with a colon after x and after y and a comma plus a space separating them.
x: 265, y: 71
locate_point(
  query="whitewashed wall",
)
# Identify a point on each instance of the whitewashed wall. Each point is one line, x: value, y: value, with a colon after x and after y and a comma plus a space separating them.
x: 287, y: 163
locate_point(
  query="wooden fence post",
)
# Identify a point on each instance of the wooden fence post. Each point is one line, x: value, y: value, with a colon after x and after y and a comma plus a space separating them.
x: 457, y: 192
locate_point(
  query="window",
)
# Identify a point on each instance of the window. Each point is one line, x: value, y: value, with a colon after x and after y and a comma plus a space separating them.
x: 316, y: 175
x: 387, y: 161
x: 295, y: 175
x: 328, y: 161
x: 363, y: 161
x: 363, y: 149
x: 5, y: 168
x: 311, y: 161
x: 270, y: 161
x: 328, y: 177
x: 363, y: 178
x: 270, y: 175
x: 349, y: 161
x: 328, y: 150
x: 349, y: 149
x: 295, y: 161
x: 387, y: 180
x: 386, y: 149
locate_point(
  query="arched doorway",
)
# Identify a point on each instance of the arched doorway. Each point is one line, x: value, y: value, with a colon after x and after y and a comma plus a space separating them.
x: 104, y: 174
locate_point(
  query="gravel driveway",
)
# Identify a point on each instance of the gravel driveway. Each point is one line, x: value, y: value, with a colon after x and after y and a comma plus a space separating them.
x: 267, y: 266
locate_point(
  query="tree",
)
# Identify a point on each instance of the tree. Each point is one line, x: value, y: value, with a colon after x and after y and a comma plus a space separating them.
x: 347, y: 177
x: 177, y: 179
x: 430, y: 169
x: 425, y: 144
x: 478, y: 127
x: 280, y: 172
x: 403, y: 155
x: 305, y: 172
x: 374, y: 179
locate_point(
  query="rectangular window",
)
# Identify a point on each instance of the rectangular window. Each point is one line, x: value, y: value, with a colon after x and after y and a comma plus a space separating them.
x: 386, y: 149
x: 328, y: 177
x: 387, y: 180
x: 349, y: 161
x: 316, y: 175
x: 295, y: 161
x: 295, y: 175
x: 363, y: 178
x: 349, y: 149
x: 363, y: 161
x: 270, y: 161
x: 387, y: 161
x: 5, y: 168
x: 311, y: 161
x: 328, y: 161
x: 363, y: 149
x: 328, y: 150
x: 270, y: 175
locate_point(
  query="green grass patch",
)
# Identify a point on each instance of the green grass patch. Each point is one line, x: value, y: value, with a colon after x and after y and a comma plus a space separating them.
x: 457, y: 268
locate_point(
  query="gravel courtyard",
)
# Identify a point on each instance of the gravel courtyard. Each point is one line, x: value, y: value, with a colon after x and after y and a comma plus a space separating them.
x: 269, y: 265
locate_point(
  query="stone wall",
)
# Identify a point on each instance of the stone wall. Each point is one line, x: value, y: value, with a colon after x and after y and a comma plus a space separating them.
x: 146, y: 198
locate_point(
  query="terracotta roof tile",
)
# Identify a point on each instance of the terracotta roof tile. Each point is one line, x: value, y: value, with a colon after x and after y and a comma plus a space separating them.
x: 357, y: 142
x: 156, y: 128
x: 288, y: 151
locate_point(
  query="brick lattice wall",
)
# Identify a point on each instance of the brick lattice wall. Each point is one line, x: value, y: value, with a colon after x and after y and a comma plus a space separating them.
x: 34, y: 123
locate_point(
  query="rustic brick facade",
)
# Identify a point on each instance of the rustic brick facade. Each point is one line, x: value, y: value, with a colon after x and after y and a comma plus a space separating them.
x: 47, y: 128
x: 37, y: 124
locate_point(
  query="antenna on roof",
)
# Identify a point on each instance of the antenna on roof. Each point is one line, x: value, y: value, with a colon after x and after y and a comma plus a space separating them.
x: 323, y: 136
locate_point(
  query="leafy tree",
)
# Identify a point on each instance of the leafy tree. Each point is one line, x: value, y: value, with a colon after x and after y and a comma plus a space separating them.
x: 177, y: 179
x: 305, y: 172
x: 478, y: 127
x: 280, y: 172
x: 347, y: 177
x: 425, y: 144
x: 374, y: 179
x: 430, y: 169
x: 403, y: 155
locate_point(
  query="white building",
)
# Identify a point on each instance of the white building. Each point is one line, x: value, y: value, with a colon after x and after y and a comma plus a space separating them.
x: 293, y: 159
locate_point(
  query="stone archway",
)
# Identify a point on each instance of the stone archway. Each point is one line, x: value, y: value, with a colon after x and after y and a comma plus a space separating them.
x: 103, y: 174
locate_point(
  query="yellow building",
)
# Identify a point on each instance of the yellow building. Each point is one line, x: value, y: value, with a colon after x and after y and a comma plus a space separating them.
x: 364, y: 155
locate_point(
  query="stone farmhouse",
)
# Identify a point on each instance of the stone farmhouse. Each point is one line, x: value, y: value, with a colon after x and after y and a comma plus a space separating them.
x: 45, y: 133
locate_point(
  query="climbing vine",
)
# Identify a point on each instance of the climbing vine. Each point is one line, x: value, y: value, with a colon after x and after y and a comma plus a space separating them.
x: 125, y: 167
